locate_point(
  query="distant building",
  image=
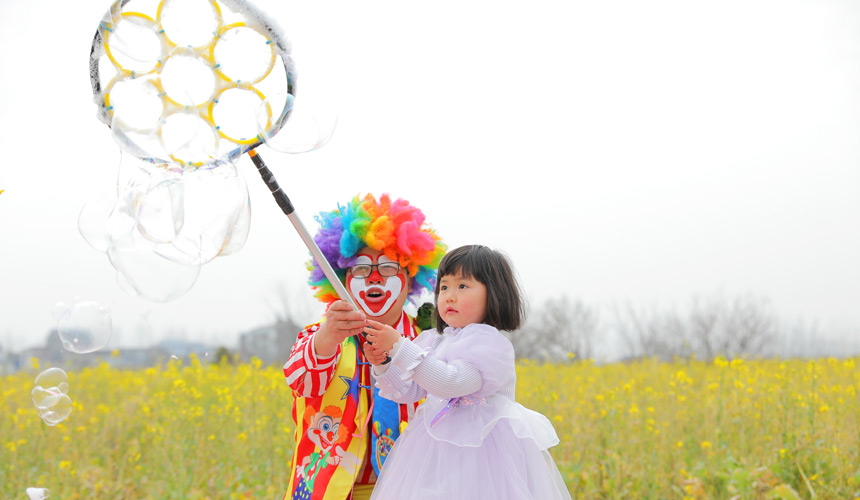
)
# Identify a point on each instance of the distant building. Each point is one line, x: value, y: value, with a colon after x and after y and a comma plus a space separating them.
x: 270, y: 343
x: 52, y: 354
x: 137, y: 358
x: 183, y: 349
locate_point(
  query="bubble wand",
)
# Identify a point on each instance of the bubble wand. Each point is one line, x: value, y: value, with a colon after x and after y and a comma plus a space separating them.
x: 185, y: 88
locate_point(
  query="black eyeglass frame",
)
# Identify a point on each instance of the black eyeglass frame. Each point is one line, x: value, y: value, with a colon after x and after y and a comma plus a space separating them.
x: 379, y: 267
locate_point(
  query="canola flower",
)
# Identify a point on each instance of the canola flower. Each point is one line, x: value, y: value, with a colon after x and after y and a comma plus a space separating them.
x: 769, y: 429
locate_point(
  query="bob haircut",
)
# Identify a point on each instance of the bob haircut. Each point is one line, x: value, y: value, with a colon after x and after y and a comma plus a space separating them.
x: 505, y: 305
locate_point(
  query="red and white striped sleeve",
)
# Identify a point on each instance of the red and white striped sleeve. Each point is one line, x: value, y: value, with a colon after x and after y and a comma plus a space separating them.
x: 306, y: 374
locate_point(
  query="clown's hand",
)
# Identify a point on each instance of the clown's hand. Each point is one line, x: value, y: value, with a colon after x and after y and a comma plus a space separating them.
x: 341, y: 321
x: 381, y: 335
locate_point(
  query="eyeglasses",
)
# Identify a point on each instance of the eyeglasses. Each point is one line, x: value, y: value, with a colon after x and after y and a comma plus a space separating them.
x: 386, y: 269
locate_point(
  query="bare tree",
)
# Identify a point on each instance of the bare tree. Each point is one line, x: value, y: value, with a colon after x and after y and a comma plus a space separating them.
x: 560, y: 327
x: 801, y: 339
x: 661, y: 335
x: 740, y: 327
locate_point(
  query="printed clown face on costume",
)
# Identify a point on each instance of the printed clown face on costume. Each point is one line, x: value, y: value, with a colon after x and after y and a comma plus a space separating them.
x: 381, y: 297
x: 322, y: 430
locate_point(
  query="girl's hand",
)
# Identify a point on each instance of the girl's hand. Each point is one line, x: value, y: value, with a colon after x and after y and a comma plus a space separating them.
x: 381, y: 335
x: 374, y: 355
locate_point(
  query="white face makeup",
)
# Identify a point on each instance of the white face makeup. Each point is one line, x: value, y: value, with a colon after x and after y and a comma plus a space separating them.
x: 376, y: 293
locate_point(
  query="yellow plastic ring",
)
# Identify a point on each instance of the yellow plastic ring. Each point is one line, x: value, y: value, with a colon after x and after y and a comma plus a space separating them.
x: 124, y: 76
x: 219, y: 16
x: 211, y: 118
x: 217, y: 65
x: 116, y: 63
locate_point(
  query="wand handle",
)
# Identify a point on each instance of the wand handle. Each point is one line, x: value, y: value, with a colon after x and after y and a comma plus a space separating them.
x: 284, y: 202
x: 286, y: 205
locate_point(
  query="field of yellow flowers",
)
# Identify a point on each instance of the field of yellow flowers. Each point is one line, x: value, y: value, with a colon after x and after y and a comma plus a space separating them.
x: 765, y: 429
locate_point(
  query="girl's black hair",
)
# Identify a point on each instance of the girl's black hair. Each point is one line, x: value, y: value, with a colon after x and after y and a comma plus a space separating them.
x: 505, y: 305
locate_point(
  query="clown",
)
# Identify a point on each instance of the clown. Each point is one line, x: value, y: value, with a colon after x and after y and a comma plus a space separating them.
x: 386, y: 256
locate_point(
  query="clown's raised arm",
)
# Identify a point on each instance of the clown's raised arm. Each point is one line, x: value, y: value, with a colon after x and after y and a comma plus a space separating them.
x: 308, y: 375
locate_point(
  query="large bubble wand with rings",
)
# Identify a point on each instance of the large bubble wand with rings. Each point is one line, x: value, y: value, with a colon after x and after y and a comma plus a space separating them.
x: 191, y: 85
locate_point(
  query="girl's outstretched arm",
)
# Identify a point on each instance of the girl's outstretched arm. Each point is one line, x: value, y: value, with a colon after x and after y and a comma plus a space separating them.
x: 415, y: 370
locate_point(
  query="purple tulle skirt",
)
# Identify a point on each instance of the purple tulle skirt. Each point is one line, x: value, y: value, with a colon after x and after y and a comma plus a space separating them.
x: 494, y: 450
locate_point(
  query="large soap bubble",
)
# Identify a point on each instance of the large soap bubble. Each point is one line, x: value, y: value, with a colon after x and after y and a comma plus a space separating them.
x: 193, y: 216
x: 142, y: 272
x: 50, y: 396
x: 85, y: 327
x: 163, y: 224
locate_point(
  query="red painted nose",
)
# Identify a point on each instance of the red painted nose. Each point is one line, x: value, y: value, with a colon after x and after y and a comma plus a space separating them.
x: 375, y: 276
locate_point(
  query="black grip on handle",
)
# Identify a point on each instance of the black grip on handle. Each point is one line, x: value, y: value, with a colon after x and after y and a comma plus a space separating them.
x: 280, y: 196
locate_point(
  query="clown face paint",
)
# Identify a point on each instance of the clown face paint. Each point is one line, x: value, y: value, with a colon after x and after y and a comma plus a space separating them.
x: 375, y: 294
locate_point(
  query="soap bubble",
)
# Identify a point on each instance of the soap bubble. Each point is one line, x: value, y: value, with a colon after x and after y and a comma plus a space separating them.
x: 195, y: 216
x: 58, y: 310
x: 46, y: 398
x: 310, y: 125
x: 96, y: 216
x: 50, y: 396
x: 143, y: 273
x: 162, y: 224
x: 85, y: 327
x: 189, y: 138
x: 38, y: 493
x: 239, y: 233
x: 52, y: 377
x: 56, y: 413
x: 159, y: 215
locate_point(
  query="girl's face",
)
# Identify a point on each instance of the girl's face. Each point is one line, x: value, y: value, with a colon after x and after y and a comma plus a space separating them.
x: 462, y: 301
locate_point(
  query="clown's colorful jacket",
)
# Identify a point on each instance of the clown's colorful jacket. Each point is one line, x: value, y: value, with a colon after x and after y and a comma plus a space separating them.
x: 343, y: 432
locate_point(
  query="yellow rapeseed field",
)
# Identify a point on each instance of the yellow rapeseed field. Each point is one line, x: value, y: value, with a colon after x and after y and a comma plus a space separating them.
x: 685, y: 430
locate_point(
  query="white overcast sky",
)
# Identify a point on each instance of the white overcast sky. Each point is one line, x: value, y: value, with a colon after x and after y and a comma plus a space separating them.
x: 628, y: 150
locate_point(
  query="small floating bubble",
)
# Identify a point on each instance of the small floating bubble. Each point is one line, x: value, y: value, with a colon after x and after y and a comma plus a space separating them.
x: 50, y: 396
x: 85, y: 327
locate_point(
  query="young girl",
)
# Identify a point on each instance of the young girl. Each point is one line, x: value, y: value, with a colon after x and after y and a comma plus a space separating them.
x: 470, y: 439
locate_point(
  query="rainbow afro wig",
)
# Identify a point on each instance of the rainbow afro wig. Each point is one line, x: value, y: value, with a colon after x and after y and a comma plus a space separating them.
x: 395, y: 228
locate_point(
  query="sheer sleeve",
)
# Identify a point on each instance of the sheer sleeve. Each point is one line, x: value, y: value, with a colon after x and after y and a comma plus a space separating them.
x: 486, y: 350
